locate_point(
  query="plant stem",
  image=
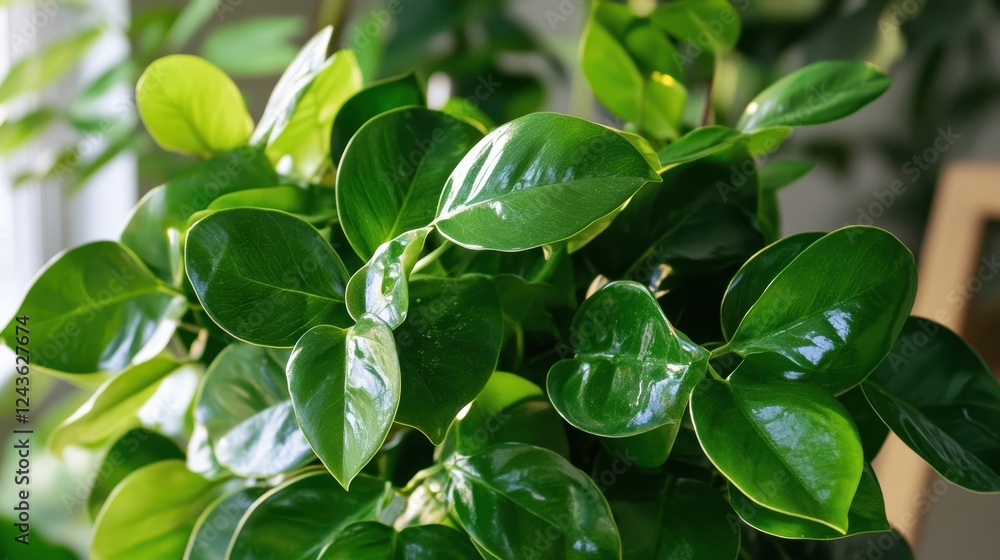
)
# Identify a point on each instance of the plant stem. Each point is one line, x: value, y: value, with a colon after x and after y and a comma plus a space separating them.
x: 715, y: 374
x: 708, y: 114
x: 432, y: 256
x: 551, y: 264
x: 720, y: 351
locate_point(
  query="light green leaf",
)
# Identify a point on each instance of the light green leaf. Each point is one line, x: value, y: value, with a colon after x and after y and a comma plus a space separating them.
x: 713, y: 25
x: 217, y: 525
x: 136, y: 449
x: 14, y: 134
x: 254, y: 46
x: 36, y: 71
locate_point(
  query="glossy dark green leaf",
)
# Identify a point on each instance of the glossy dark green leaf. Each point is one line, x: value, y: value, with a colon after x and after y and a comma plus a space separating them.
x: 531, y: 304
x: 633, y: 371
x: 819, y: 93
x: 113, y: 406
x: 381, y: 286
x: 867, y: 514
x: 190, y: 106
x: 345, y: 387
x: 520, y: 501
x: 939, y: 397
x: 136, y: 449
x: 151, y: 513
x: 375, y: 541
x: 832, y: 314
x: 509, y: 409
x: 393, y: 171
x: 300, y: 517
x: 92, y: 309
x: 648, y: 449
x: 779, y: 174
x: 807, y: 456
x: 244, y: 405
x: 633, y: 68
x: 216, y: 526
x: 872, y: 429
x: 264, y: 276
x: 713, y: 25
x: 293, y: 81
x: 756, y: 274
x: 370, y: 102
x: 695, y: 524
x: 448, y: 348
x: 300, y: 145
x: 512, y: 191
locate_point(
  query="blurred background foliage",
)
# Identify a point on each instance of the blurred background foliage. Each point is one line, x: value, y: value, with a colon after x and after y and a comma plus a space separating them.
x: 942, y: 54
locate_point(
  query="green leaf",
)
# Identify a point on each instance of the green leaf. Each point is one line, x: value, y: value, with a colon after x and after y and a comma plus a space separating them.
x: 264, y: 276
x: 694, y: 524
x: 509, y: 409
x: 439, y: 380
x: 807, y: 456
x: 520, y: 501
x: 254, y: 46
x: 217, y: 525
x: 632, y: 372
x: 292, y: 83
x: 136, y: 449
x: 938, y: 396
x: 872, y: 429
x: 314, y: 204
x: 345, y: 389
x: 821, y: 92
x: 633, y: 69
x: 766, y: 141
x: 381, y: 286
x: 892, y: 546
x: 299, y: 518
x: 189, y: 20
x: 33, y: 72
x: 93, y: 308
x: 157, y: 228
x: 509, y: 199
x: 151, y: 513
x: 377, y: 98
x: 190, y: 106
x: 702, y: 24
x: 393, y: 171
x: 832, y: 314
x: 867, y: 514
x: 698, y: 143
x: 244, y: 405
x: 14, y: 134
x: 779, y: 174
x: 462, y: 108
x: 373, y: 541
x: 756, y: 274
x: 113, y: 406
x: 301, y: 144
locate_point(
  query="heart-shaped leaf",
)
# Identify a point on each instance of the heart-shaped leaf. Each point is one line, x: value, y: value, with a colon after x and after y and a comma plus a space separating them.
x: 151, y: 513
x: 807, y: 456
x: 445, y: 315
x: 345, y: 388
x: 520, y: 501
x: 374, y: 541
x: 633, y: 68
x: 136, y: 449
x: 216, y: 526
x: 710, y: 24
x: 377, y: 98
x: 512, y: 190
x: 301, y: 144
x: 939, y: 397
x: 264, y: 276
x: 867, y: 514
x: 190, y: 106
x: 821, y: 92
x: 832, y: 314
x: 393, y: 172
x: 632, y: 372
x: 381, y: 286
x: 92, y: 309
x: 245, y: 407
x: 299, y: 518
x: 113, y: 406
x: 159, y: 223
